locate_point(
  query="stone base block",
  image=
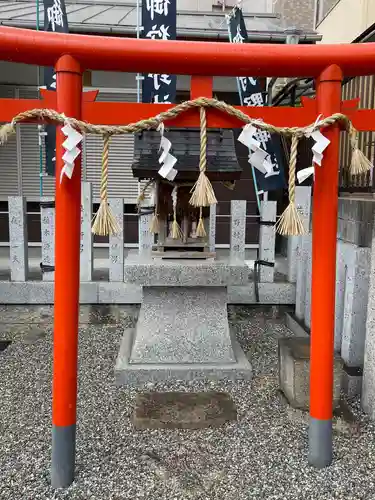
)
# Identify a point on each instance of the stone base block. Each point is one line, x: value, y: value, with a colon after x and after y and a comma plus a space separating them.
x: 133, y: 374
x: 351, y: 381
x: 183, y: 410
x: 294, y: 372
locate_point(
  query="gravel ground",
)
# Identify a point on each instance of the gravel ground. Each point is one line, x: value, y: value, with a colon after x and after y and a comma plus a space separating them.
x: 261, y: 456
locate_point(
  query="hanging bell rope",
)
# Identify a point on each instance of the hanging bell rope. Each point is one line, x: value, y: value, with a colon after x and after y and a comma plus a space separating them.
x: 105, y: 223
x: 290, y: 223
x: 202, y: 192
x: 200, y: 231
x: 359, y: 163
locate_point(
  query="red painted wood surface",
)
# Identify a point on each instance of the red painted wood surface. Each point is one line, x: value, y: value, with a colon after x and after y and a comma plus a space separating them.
x: 120, y: 113
x: 184, y: 58
x: 67, y: 254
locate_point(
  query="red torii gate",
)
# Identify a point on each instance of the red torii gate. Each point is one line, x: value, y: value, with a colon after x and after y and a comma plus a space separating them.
x: 71, y: 54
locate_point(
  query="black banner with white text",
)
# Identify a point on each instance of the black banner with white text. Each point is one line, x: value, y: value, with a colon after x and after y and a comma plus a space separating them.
x: 159, y: 23
x: 251, y: 94
x: 56, y: 21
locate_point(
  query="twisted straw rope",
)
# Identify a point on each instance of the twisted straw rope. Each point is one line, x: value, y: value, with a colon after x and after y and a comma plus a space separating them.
x: 292, y: 169
x: 153, y: 122
x: 203, y: 150
x: 105, y: 157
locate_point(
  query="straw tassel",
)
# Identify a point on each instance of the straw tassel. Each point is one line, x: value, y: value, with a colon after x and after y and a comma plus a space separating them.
x: 105, y: 223
x: 359, y: 163
x: 200, y: 231
x: 202, y: 192
x: 177, y: 233
x: 290, y: 223
x: 154, y: 225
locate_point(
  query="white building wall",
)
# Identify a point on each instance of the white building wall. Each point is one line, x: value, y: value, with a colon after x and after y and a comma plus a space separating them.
x: 345, y: 21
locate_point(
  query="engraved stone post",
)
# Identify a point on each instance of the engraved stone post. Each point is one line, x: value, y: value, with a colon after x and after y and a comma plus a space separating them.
x: 86, y: 263
x: 19, y: 265
x: 47, y: 228
x: 212, y: 228
x: 267, y: 237
x: 116, y: 243
x: 303, y: 204
x: 238, y: 229
x: 146, y: 238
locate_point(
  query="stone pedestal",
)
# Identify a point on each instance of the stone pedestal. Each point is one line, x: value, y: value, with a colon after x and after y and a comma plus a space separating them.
x: 294, y: 372
x: 182, y: 331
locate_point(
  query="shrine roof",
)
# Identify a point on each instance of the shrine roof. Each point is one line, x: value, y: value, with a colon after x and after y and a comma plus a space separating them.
x: 222, y: 163
x: 108, y: 17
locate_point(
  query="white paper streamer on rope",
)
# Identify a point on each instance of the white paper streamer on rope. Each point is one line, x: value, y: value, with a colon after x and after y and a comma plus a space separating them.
x: 321, y: 142
x: 258, y: 158
x: 167, y: 160
x: 72, y: 151
x: 304, y: 174
x: 247, y: 138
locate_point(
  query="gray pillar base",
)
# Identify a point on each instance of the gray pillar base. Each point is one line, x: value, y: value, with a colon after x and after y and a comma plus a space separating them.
x: 63, y: 456
x: 320, y: 443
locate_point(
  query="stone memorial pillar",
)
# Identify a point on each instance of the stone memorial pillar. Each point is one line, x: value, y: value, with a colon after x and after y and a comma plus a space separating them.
x: 303, y: 204
x: 267, y: 240
x: 212, y: 228
x: 18, y: 244
x: 87, y: 257
x: 145, y: 237
x: 116, y: 243
x: 237, y: 229
x: 47, y: 227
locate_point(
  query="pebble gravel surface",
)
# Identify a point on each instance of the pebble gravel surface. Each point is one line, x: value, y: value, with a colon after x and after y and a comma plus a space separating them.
x: 260, y: 456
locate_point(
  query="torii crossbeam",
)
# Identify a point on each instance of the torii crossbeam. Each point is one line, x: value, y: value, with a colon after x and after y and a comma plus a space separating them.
x: 71, y: 55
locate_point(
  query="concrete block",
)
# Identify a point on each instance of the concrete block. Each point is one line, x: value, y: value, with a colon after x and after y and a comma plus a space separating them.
x: 294, y: 372
x: 119, y: 293
x: 355, y: 308
x: 368, y: 383
x: 351, y: 381
x: 267, y: 237
x: 183, y: 325
x: 116, y: 243
x: 238, y: 230
x: 269, y: 293
x: 137, y: 375
x: 18, y: 243
x: 148, y: 272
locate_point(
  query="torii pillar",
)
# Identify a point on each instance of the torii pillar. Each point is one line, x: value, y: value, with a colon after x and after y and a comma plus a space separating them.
x: 67, y: 261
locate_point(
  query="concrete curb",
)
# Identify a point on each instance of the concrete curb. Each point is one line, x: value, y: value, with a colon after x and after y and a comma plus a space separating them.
x: 101, y: 292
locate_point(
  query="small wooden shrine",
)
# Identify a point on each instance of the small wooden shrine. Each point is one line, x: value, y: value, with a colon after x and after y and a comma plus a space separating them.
x: 222, y: 166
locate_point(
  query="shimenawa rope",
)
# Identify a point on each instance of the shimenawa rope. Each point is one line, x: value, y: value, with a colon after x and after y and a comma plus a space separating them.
x: 203, y: 194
